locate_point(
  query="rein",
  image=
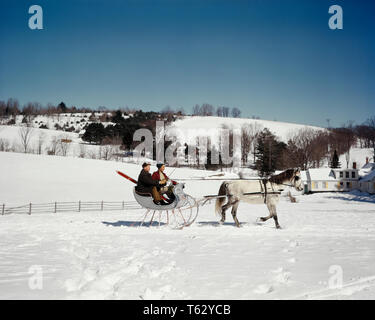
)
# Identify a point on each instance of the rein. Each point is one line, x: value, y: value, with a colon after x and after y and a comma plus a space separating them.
x: 265, y: 181
x: 261, y: 181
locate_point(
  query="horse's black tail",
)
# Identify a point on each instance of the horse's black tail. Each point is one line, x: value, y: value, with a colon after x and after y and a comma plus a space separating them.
x: 219, y: 201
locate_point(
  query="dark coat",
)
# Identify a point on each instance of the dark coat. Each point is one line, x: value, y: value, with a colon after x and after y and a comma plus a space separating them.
x: 145, y: 182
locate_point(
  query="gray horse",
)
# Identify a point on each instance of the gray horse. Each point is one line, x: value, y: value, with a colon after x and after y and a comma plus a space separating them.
x: 255, y: 192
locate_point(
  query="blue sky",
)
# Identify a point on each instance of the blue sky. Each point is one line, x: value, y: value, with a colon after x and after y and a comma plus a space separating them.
x: 276, y: 59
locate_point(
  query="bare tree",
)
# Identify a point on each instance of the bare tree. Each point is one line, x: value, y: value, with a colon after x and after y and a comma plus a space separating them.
x: 31, y: 110
x: 236, y: 112
x: 107, y: 151
x: 40, y: 143
x: 306, y: 148
x: 320, y: 146
x: 92, y: 155
x: 249, y: 133
x: 51, y: 109
x: 219, y: 111
x: 3, y: 110
x: 371, y: 124
x: 343, y: 139
x: 82, y: 151
x: 207, y: 109
x: 363, y: 133
x: 204, y: 110
x: 25, y: 134
x: 12, y: 107
x: 167, y: 110
x: 226, y: 112
x: 196, y: 110
x: 53, y: 148
x: 4, y: 145
x: 64, y: 144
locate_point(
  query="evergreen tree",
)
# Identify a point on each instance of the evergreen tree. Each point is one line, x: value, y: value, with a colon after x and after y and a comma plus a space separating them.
x: 62, y: 107
x: 268, y: 153
x: 117, y: 118
x: 95, y: 132
x: 335, y: 161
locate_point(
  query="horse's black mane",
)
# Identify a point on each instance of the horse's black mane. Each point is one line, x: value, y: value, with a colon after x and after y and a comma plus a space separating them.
x: 282, y: 177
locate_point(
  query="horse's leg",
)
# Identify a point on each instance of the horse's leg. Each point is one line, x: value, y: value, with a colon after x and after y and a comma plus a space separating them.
x: 276, y: 222
x: 222, y: 220
x: 263, y: 219
x: 271, y: 205
x: 270, y: 211
x: 234, y: 212
x: 224, y: 208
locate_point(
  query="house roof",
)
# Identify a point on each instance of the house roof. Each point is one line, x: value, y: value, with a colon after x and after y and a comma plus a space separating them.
x: 321, y: 174
x: 370, y: 165
x: 369, y: 176
x: 366, y: 169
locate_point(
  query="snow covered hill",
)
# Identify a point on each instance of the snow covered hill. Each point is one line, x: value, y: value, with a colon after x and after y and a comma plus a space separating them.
x: 190, y: 127
x: 187, y: 128
x: 324, y: 251
x: 194, y: 124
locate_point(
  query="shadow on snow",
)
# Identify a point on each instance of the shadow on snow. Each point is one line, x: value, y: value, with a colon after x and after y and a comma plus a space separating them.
x: 356, y: 196
x: 132, y: 224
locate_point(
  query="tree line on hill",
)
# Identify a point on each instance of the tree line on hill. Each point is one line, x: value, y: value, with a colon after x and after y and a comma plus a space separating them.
x: 221, y: 111
x: 305, y: 148
x: 12, y: 107
x: 261, y: 149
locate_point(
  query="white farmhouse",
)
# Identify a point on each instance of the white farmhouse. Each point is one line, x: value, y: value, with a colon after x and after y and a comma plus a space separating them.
x: 328, y: 180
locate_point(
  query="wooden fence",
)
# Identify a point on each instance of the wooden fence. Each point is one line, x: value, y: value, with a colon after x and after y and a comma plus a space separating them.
x: 79, y: 206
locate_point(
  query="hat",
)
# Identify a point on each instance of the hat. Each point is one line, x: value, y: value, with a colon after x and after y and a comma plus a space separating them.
x: 145, y: 164
x: 159, y: 165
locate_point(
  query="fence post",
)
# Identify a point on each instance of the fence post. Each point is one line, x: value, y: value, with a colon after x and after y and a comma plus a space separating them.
x: 102, y: 205
x: 55, y: 207
x: 79, y: 206
x: 3, y: 210
x: 123, y: 205
x: 30, y: 208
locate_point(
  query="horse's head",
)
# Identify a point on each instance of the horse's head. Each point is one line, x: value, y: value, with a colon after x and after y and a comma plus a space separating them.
x: 296, y: 179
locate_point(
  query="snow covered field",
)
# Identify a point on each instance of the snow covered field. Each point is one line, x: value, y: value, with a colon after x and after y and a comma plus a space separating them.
x: 45, y: 138
x: 98, y: 255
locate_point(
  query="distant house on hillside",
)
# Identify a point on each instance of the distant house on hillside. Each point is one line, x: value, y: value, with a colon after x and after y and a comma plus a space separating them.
x: 328, y: 180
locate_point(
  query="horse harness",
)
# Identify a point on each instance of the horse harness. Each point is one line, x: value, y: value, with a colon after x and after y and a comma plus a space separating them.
x: 263, y: 188
x: 263, y: 185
